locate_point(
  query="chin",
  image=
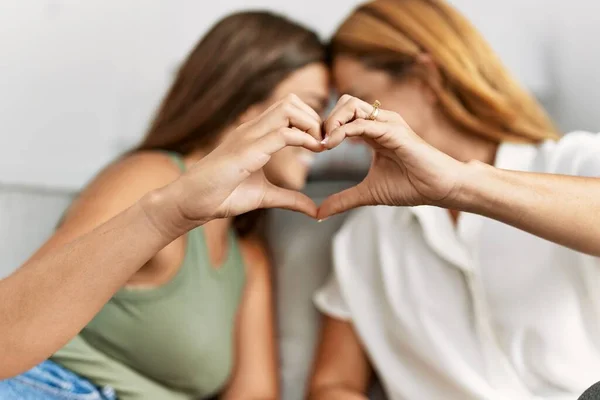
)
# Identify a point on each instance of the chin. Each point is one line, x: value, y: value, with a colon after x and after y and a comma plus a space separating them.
x: 294, y: 182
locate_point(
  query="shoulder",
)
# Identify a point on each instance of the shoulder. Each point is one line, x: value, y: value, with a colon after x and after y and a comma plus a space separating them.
x: 143, y: 168
x: 571, y: 143
x: 576, y: 153
x: 126, y: 180
x: 138, y: 172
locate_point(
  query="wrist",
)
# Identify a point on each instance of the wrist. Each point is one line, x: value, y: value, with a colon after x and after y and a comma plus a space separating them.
x: 470, y: 179
x: 164, y: 214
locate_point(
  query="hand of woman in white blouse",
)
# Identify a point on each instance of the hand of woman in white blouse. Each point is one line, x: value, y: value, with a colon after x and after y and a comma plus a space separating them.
x: 406, y: 171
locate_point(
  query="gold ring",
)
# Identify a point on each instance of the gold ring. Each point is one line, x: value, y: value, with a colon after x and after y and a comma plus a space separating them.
x: 375, y: 112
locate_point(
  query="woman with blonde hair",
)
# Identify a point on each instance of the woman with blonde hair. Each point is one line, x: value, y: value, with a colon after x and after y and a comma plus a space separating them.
x: 487, y: 288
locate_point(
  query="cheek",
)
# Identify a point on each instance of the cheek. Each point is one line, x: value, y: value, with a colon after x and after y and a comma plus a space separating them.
x: 413, y: 117
x: 287, y: 169
x: 410, y: 110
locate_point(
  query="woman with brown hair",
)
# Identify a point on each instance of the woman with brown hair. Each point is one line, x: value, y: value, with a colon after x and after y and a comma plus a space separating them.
x: 196, y: 320
x: 488, y: 289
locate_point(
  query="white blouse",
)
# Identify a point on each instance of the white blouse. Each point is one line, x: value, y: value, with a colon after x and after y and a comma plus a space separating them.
x: 477, y: 311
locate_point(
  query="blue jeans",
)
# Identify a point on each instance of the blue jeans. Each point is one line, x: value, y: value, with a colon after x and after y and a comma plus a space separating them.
x: 50, y: 381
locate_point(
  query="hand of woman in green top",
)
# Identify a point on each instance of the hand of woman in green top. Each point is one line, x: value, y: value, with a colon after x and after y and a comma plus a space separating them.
x: 229, y: 181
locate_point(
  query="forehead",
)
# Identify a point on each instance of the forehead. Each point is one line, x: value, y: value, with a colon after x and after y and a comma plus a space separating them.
x: 352, y: 77
x: 313, y: 78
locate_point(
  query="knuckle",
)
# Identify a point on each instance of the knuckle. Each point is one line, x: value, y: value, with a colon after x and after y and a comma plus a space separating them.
x: 360, y: 123
x: 292, y: 97
x: 286, y: 107
x: 354, y: 103
x: 282, y: 132
x: 395, y: 117
x: 277, y: 137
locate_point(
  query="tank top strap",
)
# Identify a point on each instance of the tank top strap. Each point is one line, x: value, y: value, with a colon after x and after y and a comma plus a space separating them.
x: 197, y: 248
x: 177, y: 160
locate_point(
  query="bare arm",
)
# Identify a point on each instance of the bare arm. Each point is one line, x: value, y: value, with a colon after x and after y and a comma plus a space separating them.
x: 341, y: 370
x: 406, y: 171
x: 48, y: 300
x: 562, y: 209
x: 67, y: 266
x: 52, y: 296
x: 255, y: 372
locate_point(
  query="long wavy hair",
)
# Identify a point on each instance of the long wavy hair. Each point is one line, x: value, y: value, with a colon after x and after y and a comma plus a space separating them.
x: 238, y: 64
x: 477, y: 93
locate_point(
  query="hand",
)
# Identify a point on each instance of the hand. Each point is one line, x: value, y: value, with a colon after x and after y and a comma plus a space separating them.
x: 229, y: 181
x: 405, y: 171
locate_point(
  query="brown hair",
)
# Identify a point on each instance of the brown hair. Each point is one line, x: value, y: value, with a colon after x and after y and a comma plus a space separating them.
x: 478, y: 94
x: 236, y: 65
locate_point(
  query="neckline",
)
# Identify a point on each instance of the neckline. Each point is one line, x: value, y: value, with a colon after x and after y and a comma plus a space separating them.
x: 453, y: 241
x: 230, y: 254
x: 450, y: 240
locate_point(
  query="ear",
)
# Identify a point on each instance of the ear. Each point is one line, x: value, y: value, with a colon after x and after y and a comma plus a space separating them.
x: 433, y: 75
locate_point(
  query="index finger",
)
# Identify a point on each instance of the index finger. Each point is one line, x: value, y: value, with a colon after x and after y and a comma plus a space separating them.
x: 288, y: 113
x: 255, y: 153
x: 351, y: 108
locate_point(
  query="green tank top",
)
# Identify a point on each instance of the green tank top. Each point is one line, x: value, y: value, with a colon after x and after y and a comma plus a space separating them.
x: 172, y: 342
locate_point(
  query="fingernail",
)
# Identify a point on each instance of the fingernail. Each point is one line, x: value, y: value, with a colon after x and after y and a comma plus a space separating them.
x: 322, y: 220
x: 325, y: 141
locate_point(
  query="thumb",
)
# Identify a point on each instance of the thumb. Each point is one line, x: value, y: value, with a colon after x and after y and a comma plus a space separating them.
x: 276, y: 197
x: 348, y: 199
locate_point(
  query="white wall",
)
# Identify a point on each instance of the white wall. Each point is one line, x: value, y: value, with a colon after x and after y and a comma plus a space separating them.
x: 518, y: 31
x: 576, y: 61
x: 79, y: 79
x: 28, y: 217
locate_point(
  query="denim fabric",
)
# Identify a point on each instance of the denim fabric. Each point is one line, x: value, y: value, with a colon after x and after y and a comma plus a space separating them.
x: 50, y: 381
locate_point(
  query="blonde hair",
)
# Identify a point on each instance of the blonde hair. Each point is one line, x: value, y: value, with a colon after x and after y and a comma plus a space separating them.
x: 477, y: 93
